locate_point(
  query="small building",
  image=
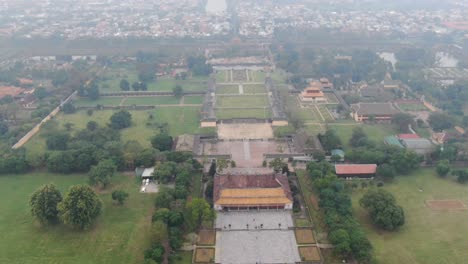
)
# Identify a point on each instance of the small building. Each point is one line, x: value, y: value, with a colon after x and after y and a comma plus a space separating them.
x: 419, y: 145
x: 356, y: 170
x: 393, y: 141
x: 12, y: 91
x: 326, y: 84
x: 252, y: 192
x: 408, y: 136
x: 338, y: 152
x: 313, y: 93
x: 147, y: 173
x: 391, y: 84
x: 379, y: 112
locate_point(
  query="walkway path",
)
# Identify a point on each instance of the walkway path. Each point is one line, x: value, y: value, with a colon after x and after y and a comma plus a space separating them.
x: 241, y: 89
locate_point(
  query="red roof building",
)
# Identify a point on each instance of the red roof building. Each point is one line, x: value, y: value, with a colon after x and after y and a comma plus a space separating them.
x: 355, y: 170
x: 408, y: 136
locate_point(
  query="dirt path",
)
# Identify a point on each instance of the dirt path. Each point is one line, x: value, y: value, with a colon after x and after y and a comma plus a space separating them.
x: 123, y: 101
x: 182, y: 100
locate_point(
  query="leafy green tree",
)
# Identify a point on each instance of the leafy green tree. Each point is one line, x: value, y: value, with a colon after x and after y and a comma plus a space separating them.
x: 102, y: 173
x: 164, y: 172
x: 40, y: 93
x: 120, y: 196
x: 440, y: 121
x: 277, y: 165
x: 44, y: 203
x: 382, y: 209
x: 162, y: 142
x: 330, y: 140
x: 178, y: 91
x: 80, y: 208
x: 342, y: 242
x: 124, y: 85
x: 386, y: 171
x: 145, y: 158
x: 68, y: 108
x: 358, y: 138
x: 159, y: 232
x: 462, y: 175
x: 93, y: 92
x: 60, y: 161
x: 3, y: 128
x: 92, y: 125
x: 164, y: 198
x: 443, y: 168
x: 121, y: 119
x: 197, y: 211
x: 402, y: 121
x: 57, y: 141
x: 222, y: 164
x: 155, y: 254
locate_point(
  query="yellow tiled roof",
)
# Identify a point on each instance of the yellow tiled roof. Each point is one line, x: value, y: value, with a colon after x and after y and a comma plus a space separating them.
x: 255, y: 196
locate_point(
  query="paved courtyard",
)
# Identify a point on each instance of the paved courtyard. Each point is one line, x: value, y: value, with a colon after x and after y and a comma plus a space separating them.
x: 257, y: 246
x: 245, y: 131
x: 240, y: 220
x: 273, y: 243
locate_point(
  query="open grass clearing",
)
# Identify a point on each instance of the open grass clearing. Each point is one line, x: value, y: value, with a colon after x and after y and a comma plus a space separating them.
x: 120, y: 234
x: 105, y: 101
x: 412, y: 107
x: 152, y: 100
x: 375, y: 132
x: 180, y: 120
x: 302, y: 222
x: 243, y: 113
x: 325, y: 113
x: 257, y: 76
x: 242, y: 101
x: 428, y: 236
x: 221, y: 76
x: 227, y: 89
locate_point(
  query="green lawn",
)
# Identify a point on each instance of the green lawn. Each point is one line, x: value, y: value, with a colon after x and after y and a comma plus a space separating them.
x: 106, y: 101
x: 152, y: 100
x: 413, y: 107
x: 221, y: 76
x: 429, y: 237
x: 180, y: 120
x: 242, y: 101
x: 257, y: 76
x: 243, y: 113
x: 254, y: 88
x: 325, y: 113
x: 120, y: 234
x: 227, y: 89
x: 196, y: 99
x: 182, y: 257
x: 375, y: 132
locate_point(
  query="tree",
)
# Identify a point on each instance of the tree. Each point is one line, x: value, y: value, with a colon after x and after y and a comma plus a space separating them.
x: 93, y: 92
x: 121, y: 119
x: 221, y: 165
x: 3, y: 128
x: 403, y: 121
x: 120, y: 196
x: 358, y: 138
x: 462, y: 175
x: 124, y: 85
x: 92, y: 125
x: 277, y: 165
x: 342, y: 242
x: 80, y: 208
x: 136, y: 86
x: 164, y: 198
x: 40, y: 93
x: 330, y: 140
x: 440, y: 121
x: 443, y: 168
x: 382, y: 209
x: 68, y: 108
x: 155, y: 254
x: 197, y: 211
x: 164, y: 172
x: 212, y: 170
x: 102, y: 173
x: 57, y: 141
x: 145, y: 158
x: 44, y: 203
x: 178, y: 91
x: 199, y: 66
x: 386, y: 171
x: 162, y: 142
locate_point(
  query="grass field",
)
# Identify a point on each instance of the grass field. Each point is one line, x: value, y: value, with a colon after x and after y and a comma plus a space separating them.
x: 325, y: 113
x: 429, y: 237
x: 242, y: 113
x: 106, y: 101
x: 119, y: 235
x: 376, y: 132
x: 304, y: 114
x: 257, y: 76
x: 180, y: 120
x: 227, y: 89
x: 193, y: 99
x: 254, y: 88
x: 413, y: 107
x: 242, y: 101
x: 151, y: 100
x: 221, y: 76
x: 182, y: 257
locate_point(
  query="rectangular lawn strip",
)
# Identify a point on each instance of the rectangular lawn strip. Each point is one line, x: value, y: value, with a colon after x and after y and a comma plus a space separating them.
x: 428, y: 236
x: 221, y: 76
x: 106, y: 101
x: 257, y: 76
x: 152, y: 100
x: 243, y: 113
x: 254, y: 88
x: 242, y: 101
x: 326, y: 114
x: 119, y: 235
x: 412, y: 107
x: 227, y: 89
x: 196, y: 99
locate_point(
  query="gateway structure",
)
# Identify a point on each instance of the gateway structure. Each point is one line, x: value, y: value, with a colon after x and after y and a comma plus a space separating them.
x: 247, y: 192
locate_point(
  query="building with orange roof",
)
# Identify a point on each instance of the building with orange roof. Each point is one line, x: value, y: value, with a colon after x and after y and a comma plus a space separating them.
x: 12, y: 91
x: 313, y: 93
x: 25, y: 82
x: 247, y: 192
